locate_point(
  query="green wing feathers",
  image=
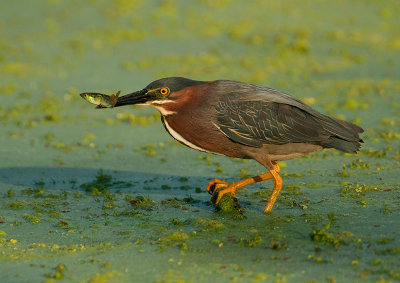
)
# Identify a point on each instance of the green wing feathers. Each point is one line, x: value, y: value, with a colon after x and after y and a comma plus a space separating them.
x: 255, y: 123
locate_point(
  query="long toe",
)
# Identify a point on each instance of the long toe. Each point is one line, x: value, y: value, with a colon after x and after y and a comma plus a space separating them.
x: 215, y: 185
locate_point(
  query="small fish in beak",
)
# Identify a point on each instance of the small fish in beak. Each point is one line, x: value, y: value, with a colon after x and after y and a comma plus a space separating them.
x: 101, y: 100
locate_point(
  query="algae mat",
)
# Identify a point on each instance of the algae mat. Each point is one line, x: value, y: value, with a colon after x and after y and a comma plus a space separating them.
x: 107, y: 196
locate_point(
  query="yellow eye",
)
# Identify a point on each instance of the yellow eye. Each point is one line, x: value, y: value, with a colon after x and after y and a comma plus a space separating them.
x: 164, y: 91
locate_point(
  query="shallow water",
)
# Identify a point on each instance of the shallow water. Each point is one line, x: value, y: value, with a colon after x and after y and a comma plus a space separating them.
x: 107, y: 195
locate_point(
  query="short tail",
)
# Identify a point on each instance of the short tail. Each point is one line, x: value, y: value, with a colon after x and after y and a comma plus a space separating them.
x: 348, y: 125
x: 343, y: 136
x: 343, y: 145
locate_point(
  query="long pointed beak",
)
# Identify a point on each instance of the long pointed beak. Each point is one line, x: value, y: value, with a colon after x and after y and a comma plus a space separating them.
x: 137, y: 97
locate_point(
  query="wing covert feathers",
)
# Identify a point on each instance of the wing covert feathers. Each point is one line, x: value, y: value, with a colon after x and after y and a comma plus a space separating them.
x: 257, y: 121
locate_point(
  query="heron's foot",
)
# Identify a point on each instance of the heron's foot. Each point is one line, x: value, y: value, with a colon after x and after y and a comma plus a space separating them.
x: 218, y: 188
x: 215, y: 185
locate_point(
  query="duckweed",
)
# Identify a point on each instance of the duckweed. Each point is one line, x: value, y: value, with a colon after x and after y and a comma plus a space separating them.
x: 251, y: 242
x: 357, y: 190
x: 101, y: 183
x: 208, y: 225
x: 229, y: 205
x: 359, y: 164
x: 59, y: 272
x: 33, y: 219
x: 177, y: 238
x: 141, y: 202
x: 106, y: 277
x: 278, y: 245
x: 20, y: 204
x: 388, y: 251
x: 177, y: 222
x: 330, y: 239
x: 383, y: 241
x: 10, y: 193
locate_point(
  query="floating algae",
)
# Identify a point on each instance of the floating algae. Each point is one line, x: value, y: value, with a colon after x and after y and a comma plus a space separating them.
x: 228, y: 204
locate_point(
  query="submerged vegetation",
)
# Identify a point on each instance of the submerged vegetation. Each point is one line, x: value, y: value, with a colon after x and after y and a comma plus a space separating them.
x: 331, y: 239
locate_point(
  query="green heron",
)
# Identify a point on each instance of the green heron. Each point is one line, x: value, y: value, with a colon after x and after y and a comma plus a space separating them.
x: 243, y: 121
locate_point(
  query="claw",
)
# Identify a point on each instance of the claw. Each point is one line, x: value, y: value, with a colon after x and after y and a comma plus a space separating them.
x: 215, y: 185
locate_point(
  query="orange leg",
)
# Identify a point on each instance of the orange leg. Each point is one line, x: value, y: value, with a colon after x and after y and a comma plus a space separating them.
x: 232, y: 188
x: 275, y: 193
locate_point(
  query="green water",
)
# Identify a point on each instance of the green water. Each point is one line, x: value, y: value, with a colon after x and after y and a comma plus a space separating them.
x: 107, y: 196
